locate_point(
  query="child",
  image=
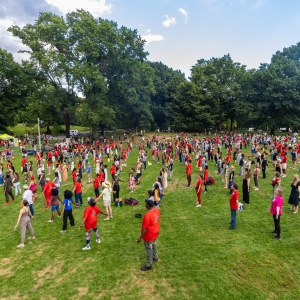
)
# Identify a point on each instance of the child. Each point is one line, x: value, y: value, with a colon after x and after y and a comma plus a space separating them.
x: 131, y: 183
x: 67, y: 210
x: 54, y: 204
x: 90, y: 220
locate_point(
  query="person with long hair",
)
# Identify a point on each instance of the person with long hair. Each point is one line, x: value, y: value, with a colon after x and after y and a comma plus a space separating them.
x: 276, y: 211
x: 16, y: 182
x: 54, y: 202
x: 25, y: 223
x: 294, y: 195
x: 256, y: 173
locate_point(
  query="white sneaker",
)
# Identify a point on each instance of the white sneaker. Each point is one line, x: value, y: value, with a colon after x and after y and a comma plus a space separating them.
x: 50, y: 221
x: 63, y: 230
x: 31, y: 238
x: 20, y: 246
x: 198, y: 205
x: 86, y: 248
x: 111, y: 217
x: 59, y: 216
x: 98, y: 241
x: 106, y: 219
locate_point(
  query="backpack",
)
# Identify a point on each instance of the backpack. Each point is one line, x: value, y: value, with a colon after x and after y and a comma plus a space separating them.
x: 131, y: 201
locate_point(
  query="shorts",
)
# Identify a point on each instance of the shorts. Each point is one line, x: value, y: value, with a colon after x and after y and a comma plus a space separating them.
x: 54, y: 208
x: 170, y: 173
x: 156, y: 203
x: 106, y: 202
x: 284, y: 166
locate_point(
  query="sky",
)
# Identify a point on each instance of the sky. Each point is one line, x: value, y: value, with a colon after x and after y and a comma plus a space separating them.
x: 179, y: 32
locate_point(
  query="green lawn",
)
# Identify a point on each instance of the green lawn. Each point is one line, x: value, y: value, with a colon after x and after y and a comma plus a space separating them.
x: 199, y: 258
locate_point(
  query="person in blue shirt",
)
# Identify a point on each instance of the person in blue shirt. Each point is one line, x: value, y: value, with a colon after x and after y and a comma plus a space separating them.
x: 67, y: 210
x: 89, y: 173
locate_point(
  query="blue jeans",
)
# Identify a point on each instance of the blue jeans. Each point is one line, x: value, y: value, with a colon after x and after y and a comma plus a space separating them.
x: 233, y: 218
x: 78, y: 196
x: 31, y: 209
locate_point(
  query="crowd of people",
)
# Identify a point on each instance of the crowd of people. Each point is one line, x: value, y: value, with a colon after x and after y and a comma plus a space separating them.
x: 68, y: 162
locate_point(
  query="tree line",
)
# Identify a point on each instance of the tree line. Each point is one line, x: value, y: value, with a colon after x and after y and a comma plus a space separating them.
x: 91, y: 72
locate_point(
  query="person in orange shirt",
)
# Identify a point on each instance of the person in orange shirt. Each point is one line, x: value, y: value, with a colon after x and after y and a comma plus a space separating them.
x: 150, y: 232
x: 188, y: 172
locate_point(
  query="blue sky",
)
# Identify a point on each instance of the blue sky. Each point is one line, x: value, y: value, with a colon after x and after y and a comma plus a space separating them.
x: 179, y: 32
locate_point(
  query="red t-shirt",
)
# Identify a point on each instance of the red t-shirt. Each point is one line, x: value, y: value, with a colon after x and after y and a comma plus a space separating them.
x: 199, y: 183
x: 205, y: 175
x: 188, y: 170
x: 48, y: 187
x: 77, y: 187
x: 91, y: 217
x: 96, y: 183
x: 233, y: 198
x: 112, y: 170
x: 151, y: 224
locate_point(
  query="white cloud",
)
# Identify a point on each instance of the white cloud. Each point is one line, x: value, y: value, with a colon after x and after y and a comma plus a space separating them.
x: 95, y: 7
x: 169, y: 22
x: 258, y: 4
x: 149, y: 37
x: 184, y: 13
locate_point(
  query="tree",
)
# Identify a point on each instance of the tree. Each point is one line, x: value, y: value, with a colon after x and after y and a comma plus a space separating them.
x: 166, y: 82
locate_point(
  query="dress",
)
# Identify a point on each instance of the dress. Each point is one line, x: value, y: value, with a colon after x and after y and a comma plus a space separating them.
x: 64, y: 172
x: 294, y: 196
x: 245, y: 191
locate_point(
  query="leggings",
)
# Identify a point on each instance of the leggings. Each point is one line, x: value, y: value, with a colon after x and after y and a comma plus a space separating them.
x: 88, y: 235
x: 10, y: 194
x: 199, y: 197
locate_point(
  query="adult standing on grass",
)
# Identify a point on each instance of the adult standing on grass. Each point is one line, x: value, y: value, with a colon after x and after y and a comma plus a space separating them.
x: 276, y: 211
x: 106, y: 193
x: 8, y: 185
x: 246, y: 187
x: 275, y: 182
x: 256, y: 172
x: 205, y: 178
x: 199, y: 190
x: 78, y: 192
x: 294, y: 195
x: 149, y: 233
x: 188, y: 172
x: 28, y: 196
x: 234, y: 205
x: 24, y: 221
x: 90, y: 220
x: 47, y: 191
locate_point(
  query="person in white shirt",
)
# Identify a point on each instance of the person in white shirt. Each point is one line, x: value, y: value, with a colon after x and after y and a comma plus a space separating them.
x: 27, y: 195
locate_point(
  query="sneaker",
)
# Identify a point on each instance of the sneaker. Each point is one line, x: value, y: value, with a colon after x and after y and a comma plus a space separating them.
x: 20, y: 246
x: 31, y: 238
x: 86, y: 248
x: 106, y: 219
x: 63, y: 230
x: 59, y: 216
x: 146, y: 268
x: 111, y: 217
x: 276, y: 237
x: 198, y: 205
x: 155, y: 258
x: 77, y: 206
x: 231, y: 228
x: 205, y: 192
x: 6, y: 203
x: 50, y: 221
x: 98, y: 241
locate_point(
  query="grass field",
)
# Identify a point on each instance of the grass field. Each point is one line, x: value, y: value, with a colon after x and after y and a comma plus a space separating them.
x: 199, y: 258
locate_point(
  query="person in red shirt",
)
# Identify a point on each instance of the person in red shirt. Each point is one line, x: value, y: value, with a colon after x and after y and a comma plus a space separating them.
x: 234, y: 205
x: 90, y: 220
x: 78, y: 192
x: 150, y: 232
x: 284, y: 164
x: 47, y: 191
x: 188, y: 172
x: 112, y: 171
x: 205, y: 178
x: 199, y: 190
x: 96, y: 184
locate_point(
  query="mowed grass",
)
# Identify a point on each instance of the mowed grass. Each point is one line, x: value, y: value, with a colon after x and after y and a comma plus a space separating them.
x: 199, y: 258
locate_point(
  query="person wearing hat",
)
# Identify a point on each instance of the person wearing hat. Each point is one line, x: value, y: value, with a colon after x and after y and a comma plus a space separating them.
x: 90, y: 222
x: 8, y: 185
x: 106, y: 193
x: 28, y: 196
x: 150, y: 232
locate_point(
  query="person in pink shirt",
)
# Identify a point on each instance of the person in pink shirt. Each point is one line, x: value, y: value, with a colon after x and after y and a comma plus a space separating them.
x: 276, y: 211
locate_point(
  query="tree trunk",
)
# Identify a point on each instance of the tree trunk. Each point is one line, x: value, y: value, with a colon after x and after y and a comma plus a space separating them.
x: 231, y: 124
x: 272, y: 130
x: 48, y: 129
x: 94, y: 131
